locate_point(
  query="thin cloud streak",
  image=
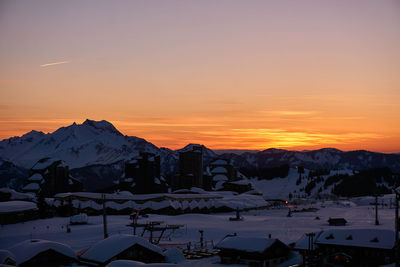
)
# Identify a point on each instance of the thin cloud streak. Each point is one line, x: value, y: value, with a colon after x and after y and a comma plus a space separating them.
x: 54, y: 63
x: 159, y: 124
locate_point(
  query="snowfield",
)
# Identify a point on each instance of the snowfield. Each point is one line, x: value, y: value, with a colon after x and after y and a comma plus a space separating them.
x: 257, y: 223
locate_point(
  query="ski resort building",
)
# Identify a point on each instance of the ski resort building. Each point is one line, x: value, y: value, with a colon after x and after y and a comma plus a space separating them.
x: 253, y: 251
x: 191, y: 168
x: 17, y: 211
x: 49, y: 177
x: 222, y: 167
x: 45, y: 253
x: 225, y: 177
x: 142, y: 175
x: 352, y: 247
x: 366, y: 247
x: 122, y: 247
x: 126, y: 202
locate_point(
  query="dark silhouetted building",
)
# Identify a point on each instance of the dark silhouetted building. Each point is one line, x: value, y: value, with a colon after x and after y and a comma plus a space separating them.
x: 222, y: 166
x: 191, y: 167
x: 51, y: 176
x: 142, y: 175
x: 225, y: 177
x: 253, y: 251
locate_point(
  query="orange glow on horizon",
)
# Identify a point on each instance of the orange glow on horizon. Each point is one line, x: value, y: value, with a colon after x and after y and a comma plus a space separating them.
x: 219, y: 136
x: 228, y: 74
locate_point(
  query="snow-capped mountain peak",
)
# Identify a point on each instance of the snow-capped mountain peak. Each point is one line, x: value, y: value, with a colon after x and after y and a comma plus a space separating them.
x: 92, y: 142
x: 101, y: 125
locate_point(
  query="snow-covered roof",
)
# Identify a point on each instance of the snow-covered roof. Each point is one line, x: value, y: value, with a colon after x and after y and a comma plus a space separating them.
x: 253, y: 192
x: 31, y: 187
x: 35, y: 177
x: 28, y: 249
x: 4, y: 255
x: 219, y: 185
x: 124, y: 193
x: 220, y: 177
x: 96, y: 196
x: 219, y: 162
x: 15, y: 206
x: 248, y: 244
x: 369, y: 238
x: 241, y: 182
x: 219, y: 170
x: 136, y: 197
x: 16, y: 195
x: 112, y: 246
x: 126, y: 263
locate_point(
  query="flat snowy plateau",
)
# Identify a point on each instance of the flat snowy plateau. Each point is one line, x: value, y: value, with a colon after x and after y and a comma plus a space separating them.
x: 257, y: 223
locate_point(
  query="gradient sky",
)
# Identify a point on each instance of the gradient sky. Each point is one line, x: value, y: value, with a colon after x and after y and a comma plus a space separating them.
x: 224, y: 73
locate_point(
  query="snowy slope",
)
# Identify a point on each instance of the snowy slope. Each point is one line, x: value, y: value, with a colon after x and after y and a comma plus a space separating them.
x: 280, y: 188
x: 326, y: 158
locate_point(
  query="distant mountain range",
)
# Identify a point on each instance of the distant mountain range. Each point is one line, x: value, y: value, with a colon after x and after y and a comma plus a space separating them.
x: 96, y: 150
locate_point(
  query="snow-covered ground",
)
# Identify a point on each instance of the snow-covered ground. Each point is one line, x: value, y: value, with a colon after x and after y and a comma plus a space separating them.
x: 256, y: 223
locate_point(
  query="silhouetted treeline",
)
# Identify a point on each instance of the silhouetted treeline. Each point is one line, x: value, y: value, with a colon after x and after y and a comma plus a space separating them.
x: 365, y: 182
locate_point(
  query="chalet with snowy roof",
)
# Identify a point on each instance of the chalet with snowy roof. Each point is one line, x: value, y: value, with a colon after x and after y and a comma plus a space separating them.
x: 240, y: 186
x: 190, y: 167
x: 122, y: 247
x: 43, y: 253
x: 253, y: 251
x: 142, y: 175
x: 50, y: 176
x: 366, y: 247
x: 359, y: 247
x: 17, y: 211
x: 7, y: 194
x: 7, y: 258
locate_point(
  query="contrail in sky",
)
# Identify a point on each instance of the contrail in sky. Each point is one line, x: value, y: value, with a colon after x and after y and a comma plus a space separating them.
x: 54, y: 63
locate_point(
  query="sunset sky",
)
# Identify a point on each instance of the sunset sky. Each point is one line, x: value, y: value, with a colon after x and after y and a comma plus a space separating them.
x: 228, y: 74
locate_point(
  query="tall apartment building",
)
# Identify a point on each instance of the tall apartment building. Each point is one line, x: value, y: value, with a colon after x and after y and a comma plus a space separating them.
x: 51, y: 176
x: 191, y: 167
x: 142, y: 175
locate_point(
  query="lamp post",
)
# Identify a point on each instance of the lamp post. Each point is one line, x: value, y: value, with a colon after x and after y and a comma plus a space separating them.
x: 376, y: 210
x: 104, y: 216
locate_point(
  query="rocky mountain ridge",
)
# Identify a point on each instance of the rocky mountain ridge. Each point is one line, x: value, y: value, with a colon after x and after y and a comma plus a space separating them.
x: 96, y: 150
